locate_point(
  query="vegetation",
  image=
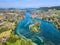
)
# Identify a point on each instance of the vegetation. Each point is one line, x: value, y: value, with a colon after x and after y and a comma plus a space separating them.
x: 54, y: 20
x: 9, y: 19
x: 8, y: 22
x: 50, y: 14
x: 35, y: 27
x: 15, y: 40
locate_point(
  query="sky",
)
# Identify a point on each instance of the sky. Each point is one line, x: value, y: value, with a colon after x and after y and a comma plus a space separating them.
x: 28, y: 3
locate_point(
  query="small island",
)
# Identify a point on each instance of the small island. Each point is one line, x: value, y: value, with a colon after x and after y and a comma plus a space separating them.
x: 35, y: 27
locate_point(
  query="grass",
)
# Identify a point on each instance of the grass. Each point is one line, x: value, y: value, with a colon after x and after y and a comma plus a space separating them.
x: 21, y: 42
x: 5, y: 34
x: 15, y: 40
x: 15, y: 43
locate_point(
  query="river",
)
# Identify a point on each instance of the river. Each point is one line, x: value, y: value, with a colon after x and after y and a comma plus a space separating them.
x: 48, y: 32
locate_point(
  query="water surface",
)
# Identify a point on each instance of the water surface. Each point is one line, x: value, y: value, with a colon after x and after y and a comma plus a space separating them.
x: 48, y: 32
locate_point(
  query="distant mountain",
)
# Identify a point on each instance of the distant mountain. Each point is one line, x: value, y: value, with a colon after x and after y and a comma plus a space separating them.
x: 17, y: 8
x: 7, y: 9
x: 41, y: 8
x: 29, y: 8
x: 2, y: 8
x: 47, y: 8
